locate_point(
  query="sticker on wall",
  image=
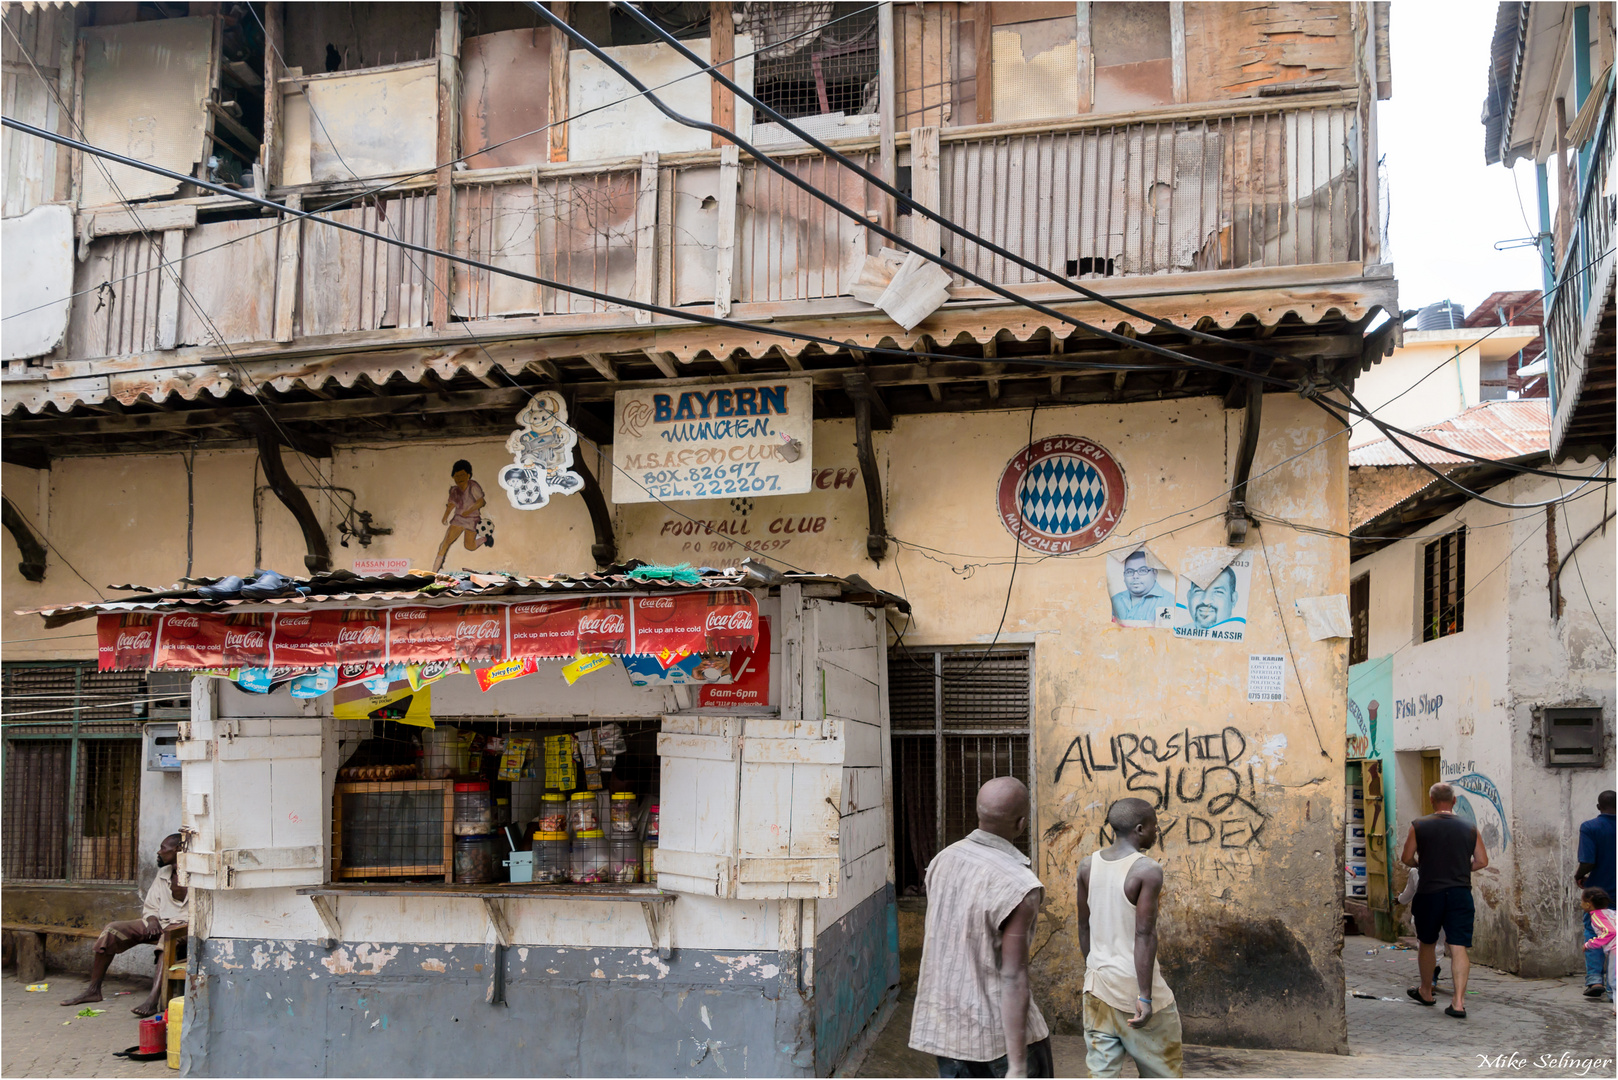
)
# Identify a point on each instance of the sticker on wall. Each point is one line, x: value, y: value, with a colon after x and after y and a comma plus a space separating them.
x: 1060, y: 494
x: 1141, y: 588
x: 1266, y: 678
x: 1211, y: 601
x: 463, y: 514
x: 542, y: 454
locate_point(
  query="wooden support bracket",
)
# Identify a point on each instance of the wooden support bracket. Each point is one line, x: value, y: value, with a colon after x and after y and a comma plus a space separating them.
x: 869, y: 412
x: 291, y: 495
x: 326, y: 908
x: 605, y: 549
x: 498, y: 920
x: 659, y: 925
x: 32, y: 567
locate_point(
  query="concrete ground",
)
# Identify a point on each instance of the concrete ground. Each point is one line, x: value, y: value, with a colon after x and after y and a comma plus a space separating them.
x: 38, y: 1037
x: 1514, y: 1027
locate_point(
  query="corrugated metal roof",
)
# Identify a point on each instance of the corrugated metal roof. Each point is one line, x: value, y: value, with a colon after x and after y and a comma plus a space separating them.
x: 1494, y: 429
x: 343, y: 587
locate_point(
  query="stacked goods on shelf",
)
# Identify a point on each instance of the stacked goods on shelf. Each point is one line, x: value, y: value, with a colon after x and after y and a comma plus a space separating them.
x: 1354, y: 883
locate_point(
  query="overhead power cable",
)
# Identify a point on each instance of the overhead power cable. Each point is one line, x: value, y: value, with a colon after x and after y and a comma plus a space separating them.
x: 883, y: 231
x: 872, y: 178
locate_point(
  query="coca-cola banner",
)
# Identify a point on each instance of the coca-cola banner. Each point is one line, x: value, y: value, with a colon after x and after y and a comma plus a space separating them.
x: 668, y: 626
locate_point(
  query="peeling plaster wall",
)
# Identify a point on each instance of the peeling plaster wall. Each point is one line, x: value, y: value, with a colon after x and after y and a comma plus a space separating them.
x: 1475, y: 697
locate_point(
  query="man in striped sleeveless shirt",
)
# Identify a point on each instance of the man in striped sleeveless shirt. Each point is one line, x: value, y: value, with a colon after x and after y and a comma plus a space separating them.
x: 1128, y: 1008
x: 973, y: 1009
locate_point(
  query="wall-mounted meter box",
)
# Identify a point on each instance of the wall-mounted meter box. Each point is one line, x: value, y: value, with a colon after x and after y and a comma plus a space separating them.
x: 1573, y: 736
x: 163, y: 747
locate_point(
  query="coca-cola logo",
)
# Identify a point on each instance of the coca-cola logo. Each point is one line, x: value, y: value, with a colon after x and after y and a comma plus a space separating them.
x: 658, y: 603
x: 541, y: 608
x: 487, y: 630
x: 182, y: 626
x: 245, y: 639
x: 740, y: 619
x: 141, y: 640
x: 410, y: 615
x: 369, y: 634
x: 611, y: 622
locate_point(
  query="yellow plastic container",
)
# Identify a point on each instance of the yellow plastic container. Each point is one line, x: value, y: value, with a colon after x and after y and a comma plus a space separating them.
x: 176, y: 1017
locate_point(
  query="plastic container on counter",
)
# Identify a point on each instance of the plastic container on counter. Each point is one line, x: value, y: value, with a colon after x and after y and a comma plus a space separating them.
x: 582, y: 816
x: 474, y: 813
x: 623, y: 859
x: 651, y: 820
x: 440, y: 752
x: 474, y: 860
x: 552, y: 813
x: 587, y: 863
x: 622, y: 819
x: 648, y: 861
x: 502, y: 813
x: 551, y: 862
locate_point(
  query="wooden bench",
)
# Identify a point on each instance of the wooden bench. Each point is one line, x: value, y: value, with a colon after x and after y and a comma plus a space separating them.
x: 30, y: 939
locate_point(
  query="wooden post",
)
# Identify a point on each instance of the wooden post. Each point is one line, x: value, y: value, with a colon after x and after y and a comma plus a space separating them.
x: 1087, y: 59
x: 288, y: 272
x: 721, y: 51
x: 983, y: 24
x: 924, y: 153
x: 1177, y: 49
x: 449, y: 117
x: 1565, y: 195
x: 560, y: 105
x: 271, y: 152
x: 888, y: 159
x: 646, y: 236
x: 725, y: 256
x: 30, y: 957
x: 168, y: 285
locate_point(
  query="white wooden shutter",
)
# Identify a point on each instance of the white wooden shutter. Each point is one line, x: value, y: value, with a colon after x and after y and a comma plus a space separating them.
x: 253, y: 811
x: 791, y: 790
x: 697, y: 821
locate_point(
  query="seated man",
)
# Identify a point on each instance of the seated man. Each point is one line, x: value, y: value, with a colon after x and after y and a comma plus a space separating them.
x: 163, y: 915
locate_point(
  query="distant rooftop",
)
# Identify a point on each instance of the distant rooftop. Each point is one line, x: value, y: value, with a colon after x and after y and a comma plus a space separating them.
x: 1494, y: 429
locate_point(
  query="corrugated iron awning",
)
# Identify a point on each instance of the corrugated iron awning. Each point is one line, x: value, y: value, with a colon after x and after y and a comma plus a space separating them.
x: 1494, y: 429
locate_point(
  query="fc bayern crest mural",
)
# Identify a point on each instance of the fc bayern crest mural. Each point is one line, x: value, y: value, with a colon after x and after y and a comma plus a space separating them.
x: 1062, y: 493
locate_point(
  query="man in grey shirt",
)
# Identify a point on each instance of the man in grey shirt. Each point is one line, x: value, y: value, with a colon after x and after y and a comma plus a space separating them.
x: 974, y: 1012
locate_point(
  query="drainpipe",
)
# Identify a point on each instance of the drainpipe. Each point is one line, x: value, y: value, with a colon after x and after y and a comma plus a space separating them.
x: 1547, y: 262
x: 1236, y: 519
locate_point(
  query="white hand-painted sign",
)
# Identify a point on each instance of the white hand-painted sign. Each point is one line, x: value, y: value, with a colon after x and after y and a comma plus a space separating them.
x: 542, y: 450
x: 716, y: 441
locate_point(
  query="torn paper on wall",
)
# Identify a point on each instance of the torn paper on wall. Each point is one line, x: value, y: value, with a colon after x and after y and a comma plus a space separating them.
x: 1141, y: 589
x: 1325, y: 616
x: 1211, y: 598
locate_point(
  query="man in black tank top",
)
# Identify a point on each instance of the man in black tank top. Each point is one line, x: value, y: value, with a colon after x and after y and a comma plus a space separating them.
x: 1449, y: 850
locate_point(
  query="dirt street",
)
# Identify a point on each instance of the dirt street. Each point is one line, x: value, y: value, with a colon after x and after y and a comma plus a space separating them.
x: 38, y: 1037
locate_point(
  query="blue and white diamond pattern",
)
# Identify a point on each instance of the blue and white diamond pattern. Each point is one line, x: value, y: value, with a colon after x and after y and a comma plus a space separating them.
x: 1061, y: 495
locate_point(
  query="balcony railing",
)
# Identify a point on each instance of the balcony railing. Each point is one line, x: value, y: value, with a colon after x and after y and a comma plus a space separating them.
x: 1242, y: 185
x: 1584, y: 283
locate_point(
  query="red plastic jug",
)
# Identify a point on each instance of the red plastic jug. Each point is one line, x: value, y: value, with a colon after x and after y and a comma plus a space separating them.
x: 154, y: 1035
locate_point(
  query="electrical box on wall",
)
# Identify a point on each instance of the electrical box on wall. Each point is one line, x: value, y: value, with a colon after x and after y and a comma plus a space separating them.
x: 162, y: 747
x: 171, y: 695
x: 1573, y: 736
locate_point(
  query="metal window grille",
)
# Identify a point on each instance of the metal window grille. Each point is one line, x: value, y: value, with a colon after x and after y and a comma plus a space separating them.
x: 71, y: 772
x: 816, y: 74
x: 1443, y: 608
x: 1359, y: 618
x: 960, y: 718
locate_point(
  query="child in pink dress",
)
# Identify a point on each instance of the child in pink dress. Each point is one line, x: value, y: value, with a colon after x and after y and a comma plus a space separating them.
x: 1605, y: 921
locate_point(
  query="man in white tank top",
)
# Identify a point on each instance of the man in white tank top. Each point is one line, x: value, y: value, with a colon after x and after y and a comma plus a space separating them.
x: 1128, y: 1008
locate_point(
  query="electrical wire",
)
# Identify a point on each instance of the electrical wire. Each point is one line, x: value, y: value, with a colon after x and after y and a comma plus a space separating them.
x: 809, y: 188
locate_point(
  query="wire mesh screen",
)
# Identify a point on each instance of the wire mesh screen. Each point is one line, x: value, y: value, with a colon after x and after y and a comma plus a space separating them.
x: 399, y: 828
x: 960, y: 718
x: 108, y: 804
x: 813, y: 59
x: 36, y: 794
x: 935, y: 62
x: 50, y: 697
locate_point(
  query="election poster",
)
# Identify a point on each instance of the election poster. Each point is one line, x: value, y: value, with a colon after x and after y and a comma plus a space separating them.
x: 1211, y: 598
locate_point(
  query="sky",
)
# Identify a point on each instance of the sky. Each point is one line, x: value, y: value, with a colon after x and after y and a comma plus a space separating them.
x: 1448, y: 207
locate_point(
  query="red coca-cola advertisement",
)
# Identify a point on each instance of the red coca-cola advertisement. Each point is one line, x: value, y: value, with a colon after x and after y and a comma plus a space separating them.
x: 544, y: 628
x: 668, y: 627
x: 126, y: 642
x: 750, y: 676
x: 417, y: 635
x: 363, y: 637
x: 604, y: 625
x: 732, y: 621
x: 247, y: 641
x: 305, y: 638
x: 480, y: 633
x: 190, y: 640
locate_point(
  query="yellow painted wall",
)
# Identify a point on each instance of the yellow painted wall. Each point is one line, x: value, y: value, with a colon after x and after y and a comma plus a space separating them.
x: 1251, y: 933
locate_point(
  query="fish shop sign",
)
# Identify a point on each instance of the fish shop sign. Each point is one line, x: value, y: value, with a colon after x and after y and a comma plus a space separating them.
x: 713, y: 442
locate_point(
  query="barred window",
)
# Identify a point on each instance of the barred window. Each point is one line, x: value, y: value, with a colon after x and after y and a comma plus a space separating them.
x: 960, y: 717
x: 1443, y: 600
x: 1359, y: 619
x: 71, y: 772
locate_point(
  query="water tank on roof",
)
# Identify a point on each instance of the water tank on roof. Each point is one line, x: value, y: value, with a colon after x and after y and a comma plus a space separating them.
x: 1444, y: 315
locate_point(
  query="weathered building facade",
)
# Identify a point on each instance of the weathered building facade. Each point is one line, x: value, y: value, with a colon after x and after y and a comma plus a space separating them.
x: 227, y: 388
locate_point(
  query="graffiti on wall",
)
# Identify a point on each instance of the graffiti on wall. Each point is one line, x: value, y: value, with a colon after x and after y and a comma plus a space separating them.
x: 1496, y: 833
x: 1204, y: 785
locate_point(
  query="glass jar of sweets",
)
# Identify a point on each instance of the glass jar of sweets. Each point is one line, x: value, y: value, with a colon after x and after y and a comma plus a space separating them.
x: 474, y: 860
x: 474, y: 812
x: 651, y: 820
x: 623, y: 859
x: 587, y: 863
x: 550, y: 857
x: 552, y: 813
x: 622, y: 821
x: 582, y: 815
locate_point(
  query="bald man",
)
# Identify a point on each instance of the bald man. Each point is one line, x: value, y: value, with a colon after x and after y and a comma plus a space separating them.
x: 1449, y: 850
x: 974, y: 1012
x: 1129, y: 1010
